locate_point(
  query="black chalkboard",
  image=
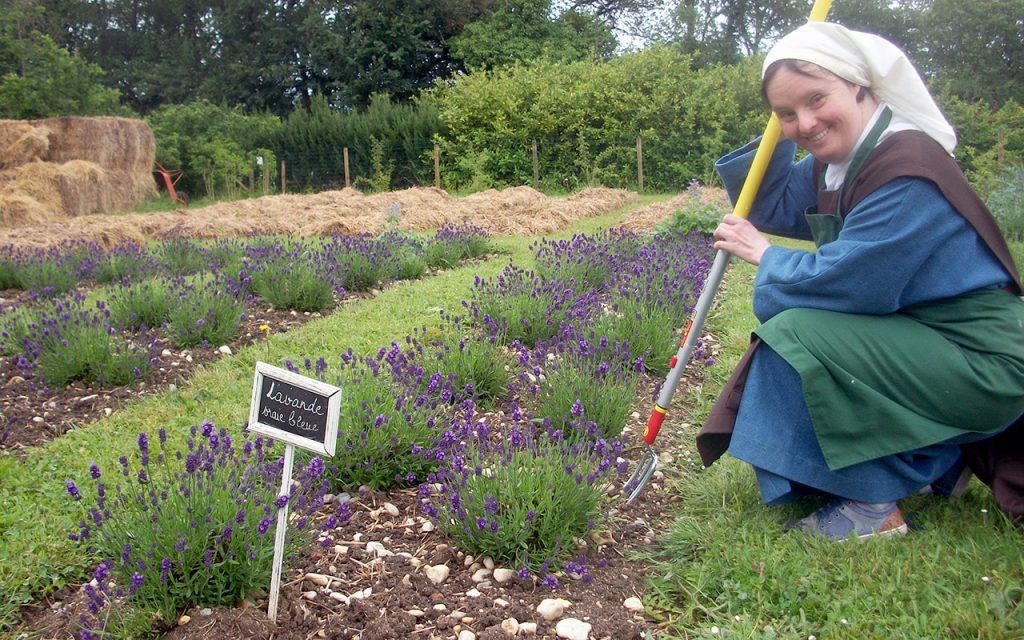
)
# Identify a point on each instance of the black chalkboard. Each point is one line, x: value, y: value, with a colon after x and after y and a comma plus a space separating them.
x: 295, y: 409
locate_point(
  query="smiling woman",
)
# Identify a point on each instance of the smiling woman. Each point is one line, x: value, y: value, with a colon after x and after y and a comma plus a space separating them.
x: 897, y: 341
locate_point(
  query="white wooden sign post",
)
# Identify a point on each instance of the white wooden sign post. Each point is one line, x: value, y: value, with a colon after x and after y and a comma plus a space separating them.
x: 301, y: 412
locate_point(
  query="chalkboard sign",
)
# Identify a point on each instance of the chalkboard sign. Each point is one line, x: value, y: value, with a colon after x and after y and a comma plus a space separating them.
x: 294, y: 409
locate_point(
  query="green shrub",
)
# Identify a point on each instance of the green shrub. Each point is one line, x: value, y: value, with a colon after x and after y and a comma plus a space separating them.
x: 207, y: 312
x: 590, y: 390
x: 142, y: 304
x: 474, y: 361
x: 703, y: 218
x: 1006, y: 201
x: 648, y: 330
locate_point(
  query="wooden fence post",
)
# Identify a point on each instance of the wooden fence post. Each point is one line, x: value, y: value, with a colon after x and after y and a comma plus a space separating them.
x: 344, y: 153
x: 437, y: 166
x: 284, y: 181
x: 252, y: 181
x: 639, y: 164
x: 266, y: 179
x: 536, y: 165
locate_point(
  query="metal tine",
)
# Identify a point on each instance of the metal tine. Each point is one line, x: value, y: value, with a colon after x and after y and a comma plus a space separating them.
x: 644, y: 471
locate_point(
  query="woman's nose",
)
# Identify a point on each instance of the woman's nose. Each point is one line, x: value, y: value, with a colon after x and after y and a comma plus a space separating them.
x: 805, y: 122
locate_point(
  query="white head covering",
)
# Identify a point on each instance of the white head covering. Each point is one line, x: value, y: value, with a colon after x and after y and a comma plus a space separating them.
x: 870, y: 61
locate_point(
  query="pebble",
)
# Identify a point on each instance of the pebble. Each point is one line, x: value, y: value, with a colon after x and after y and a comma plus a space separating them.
x: 438, y: 573
x: 427, y: 527
x: 309, y: 595
x: 37, y: 419
x: 416, y: 613
x: 552, y: 608
x: 340, y: 597
x: 501, y: 602
x: 634, y: 604
x: 502, y: 575
x: 376, y: 549
x: 466, y: 634
x: 391, y: 509
x: 468, y: 560
x: 185, y: 619
x: 406, y: 580
x: 481, y: 575
x: 225, y: 349
x: 473, y: 593
x: 318, y: 579
x: 510, y: 626
x: 206, y: 611
x: 166, y: 353
x: 488, y: 562
x: 573, y: 629
x: 107, y: 411
x: 528, y: 629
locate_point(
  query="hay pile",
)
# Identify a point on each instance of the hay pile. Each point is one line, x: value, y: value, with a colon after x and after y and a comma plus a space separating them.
x: 647, y: 218
x: 57, y: 168
x: 515, y: 211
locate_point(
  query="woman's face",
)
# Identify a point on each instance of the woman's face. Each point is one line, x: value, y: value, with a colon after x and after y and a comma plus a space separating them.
x: 819, y: 111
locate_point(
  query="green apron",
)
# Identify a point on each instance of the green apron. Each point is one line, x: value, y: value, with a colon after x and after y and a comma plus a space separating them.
x: 880, y: 385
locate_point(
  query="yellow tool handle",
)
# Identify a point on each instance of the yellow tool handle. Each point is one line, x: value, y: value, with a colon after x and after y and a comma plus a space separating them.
x: 769, y: 139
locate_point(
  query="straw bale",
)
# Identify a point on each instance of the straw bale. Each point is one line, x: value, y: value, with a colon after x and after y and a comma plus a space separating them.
x: 12, y: 130
x: 20, y: 210
x: 31, y: 146
x: 73, y: 188
x: 119, y: 144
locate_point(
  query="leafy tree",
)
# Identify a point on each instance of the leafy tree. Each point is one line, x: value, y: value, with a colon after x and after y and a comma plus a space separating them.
x: 976, y: 49
x: 524, y: 30
x: 38, y: 79
x: 722, y: 31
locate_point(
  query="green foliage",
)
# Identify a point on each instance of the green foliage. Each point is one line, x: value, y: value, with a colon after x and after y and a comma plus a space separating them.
x: 49, y: 273
x: 15, y: 326
x: 649, y: 331
x: 703, y: 218
x: 588, y: 391
x: 39, y: 79
x: 9, y: 278
x: 292, y: 282
x: 586, y: 117
x: 989, y: 139
x: 386, y: 143
x: 213, y: 145
x: 522, y: 31
x: 142, y: 304
x: 206, y: 312
x: 524, y: 501
x: 380, y: 443
x: 181, y: 256
x: 475, y: 361
x: 1006, y: 201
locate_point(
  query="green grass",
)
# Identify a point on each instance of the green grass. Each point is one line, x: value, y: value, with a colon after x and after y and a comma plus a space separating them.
x: 724, y: 557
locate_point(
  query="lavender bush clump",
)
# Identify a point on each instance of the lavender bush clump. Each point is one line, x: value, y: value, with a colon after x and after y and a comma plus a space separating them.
x: 649, y: 331
x: 391, y: 419
x: 581, y: 384
x: 72, y: 342
x: 141, y: 304
x: 50, y: 272
x: 451, y: 244
x: 193, y: 527
x: 208, y: 310
x: 17, y: 324
x: 476, y: 364
x: 291, y: 276
x: 9, y: 275
x: 126, y: 262
x: 523, y: 497
x: 519, y: 305
x: 585, y: 260
x: 182, y: 256
x: 407, y: 261
x: 360, y: 262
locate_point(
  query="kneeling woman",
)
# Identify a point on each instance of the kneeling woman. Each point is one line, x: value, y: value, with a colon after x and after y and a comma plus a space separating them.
x: 899, y: 339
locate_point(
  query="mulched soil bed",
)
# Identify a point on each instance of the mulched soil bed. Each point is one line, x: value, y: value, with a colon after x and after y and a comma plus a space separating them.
x: 344, y: 591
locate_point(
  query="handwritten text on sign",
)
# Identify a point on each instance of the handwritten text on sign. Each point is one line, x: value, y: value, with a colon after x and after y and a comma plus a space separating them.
x: 294, y: 409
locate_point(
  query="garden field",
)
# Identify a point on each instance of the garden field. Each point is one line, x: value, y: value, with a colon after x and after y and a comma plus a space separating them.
x: 497, y: 357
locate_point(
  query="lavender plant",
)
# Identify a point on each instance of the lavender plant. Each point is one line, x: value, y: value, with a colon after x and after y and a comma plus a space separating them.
x: 476, y: 364
x: 360, y: 262
x: 649, y: 332
x: 142, y: 304
x: 126, y: 262
x: 181, y: 256
x: 72, y: 342
x: 193, y: 527
x: 582, y: 385
x: 49, y: 272
x: 390, y: 420
x: 206, y: 311
x: 292, y: 278
x: 519, y: 305
x: 9, y: 277
x: 16, y: 324
x: 584, y: 260
x: 523, y: 496
x: 451, y: 244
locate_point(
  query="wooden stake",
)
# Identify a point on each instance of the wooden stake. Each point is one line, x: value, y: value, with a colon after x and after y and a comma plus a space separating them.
x: 536, y: 165
x: 437, y: 166
x: 282, y: 526
x: 344, y: 153
x: 284, y: 181
x: 639, y: 164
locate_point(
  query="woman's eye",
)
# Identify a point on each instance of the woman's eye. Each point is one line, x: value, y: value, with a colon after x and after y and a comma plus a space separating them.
x: 817, y: 99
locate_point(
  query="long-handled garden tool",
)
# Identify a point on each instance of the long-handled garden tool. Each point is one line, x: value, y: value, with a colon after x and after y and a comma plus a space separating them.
x: 649, y: 460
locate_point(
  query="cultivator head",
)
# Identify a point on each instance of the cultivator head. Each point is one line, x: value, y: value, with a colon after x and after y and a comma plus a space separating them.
x: 641, y: 476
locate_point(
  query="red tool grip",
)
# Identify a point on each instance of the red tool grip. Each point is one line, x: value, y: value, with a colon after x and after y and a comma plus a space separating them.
x: 654, y: 424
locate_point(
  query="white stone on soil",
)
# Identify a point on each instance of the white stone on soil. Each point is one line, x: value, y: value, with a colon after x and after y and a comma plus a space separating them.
x: 481, y: 575
x: 391, y: 509
x: 552, y: 608
x: 510, y: 627
x: 376, y: 549
x: 466, y: 634
x: 528, y: 629
x: 319, y: 579
x: 502, y: 575
x: 634, y: 604
x: 438, y: 573
x: 573, y: 629
x: 225, y: 349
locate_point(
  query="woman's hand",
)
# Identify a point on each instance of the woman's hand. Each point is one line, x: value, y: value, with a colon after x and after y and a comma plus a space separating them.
x: 737, y: 236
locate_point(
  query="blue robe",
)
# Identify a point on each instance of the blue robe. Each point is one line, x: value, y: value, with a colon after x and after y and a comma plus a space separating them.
x: 901, y: 245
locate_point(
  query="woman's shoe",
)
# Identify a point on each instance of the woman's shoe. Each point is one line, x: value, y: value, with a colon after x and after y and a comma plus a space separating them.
x: 842, y: 518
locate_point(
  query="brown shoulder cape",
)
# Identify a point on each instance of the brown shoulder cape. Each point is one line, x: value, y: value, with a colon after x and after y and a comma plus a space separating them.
x: 997, y: 461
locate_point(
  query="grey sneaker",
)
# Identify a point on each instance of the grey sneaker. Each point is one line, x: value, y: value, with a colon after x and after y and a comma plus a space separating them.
x: 842, y: 518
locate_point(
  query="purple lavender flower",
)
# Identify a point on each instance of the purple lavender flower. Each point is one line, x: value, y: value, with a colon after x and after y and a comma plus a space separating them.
x: 263, y: 526
x: 165, y: 569
x: 550, y: 581
x: 136, y: 582
x: 73, y: 490
x: 94, y: 471
x: 281, y: 501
